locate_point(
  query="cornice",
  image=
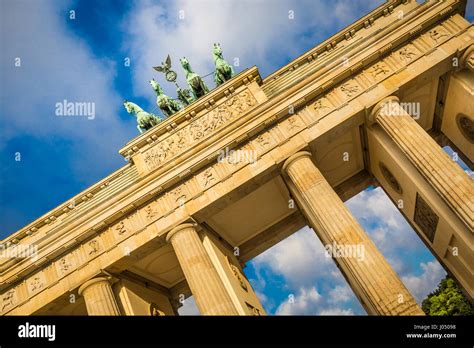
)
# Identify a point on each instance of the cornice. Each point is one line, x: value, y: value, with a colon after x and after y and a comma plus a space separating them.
x: 333, y: 56
x: 332, y: 42
x: 75, y: 204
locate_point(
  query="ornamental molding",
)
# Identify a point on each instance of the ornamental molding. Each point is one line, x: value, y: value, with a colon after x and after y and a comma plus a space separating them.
x: 228, y: 110
x: 341, y: 47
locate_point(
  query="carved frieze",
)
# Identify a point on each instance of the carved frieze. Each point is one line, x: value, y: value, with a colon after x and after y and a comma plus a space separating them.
x: 253, y: 310
x: 438, y: 34
x: 120, y: 228
x: 36, y: 283
x: 179, y: 195
x: 264, y: 140
x: 65, y: 265
x: 198, y: 129
x: 9, y: 300
x: 407, y: 54
x: 151, y: 212
x: 292, y: 125
x: 350, y: 88
x: 378, y: 71
x: 93, y: 247
x: 207, y: 178
x: 322, y: 106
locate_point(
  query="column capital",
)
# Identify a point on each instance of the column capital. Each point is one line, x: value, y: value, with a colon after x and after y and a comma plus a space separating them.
x: 180, y: 228
x: 205, y: 282
x: 91, y: 282
x: 99, y: 296
x: 293, y: 158
x: 372, y: 118
x: 467, y: 58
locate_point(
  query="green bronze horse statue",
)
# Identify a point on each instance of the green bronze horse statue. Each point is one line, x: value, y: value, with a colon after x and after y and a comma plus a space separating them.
x: 195, y: 82
x: 167, y: 105
x: 184, y: 96
x: 224, y: 70
x: 145, y: 120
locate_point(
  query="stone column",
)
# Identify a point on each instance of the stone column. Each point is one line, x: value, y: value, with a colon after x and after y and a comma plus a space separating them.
x: 443, y: 174
x: 467, y: 58
x: 370, y: 276
x: 206, y: 286
x: 99, y: 297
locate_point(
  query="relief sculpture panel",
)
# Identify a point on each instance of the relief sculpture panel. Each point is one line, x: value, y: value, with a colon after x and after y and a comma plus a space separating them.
x: 198, y: 129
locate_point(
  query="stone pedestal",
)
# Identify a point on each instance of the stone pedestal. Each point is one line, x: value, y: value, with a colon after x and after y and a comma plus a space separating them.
x: 99, y: 297
x: 368, y: 273
x: 209, y: 293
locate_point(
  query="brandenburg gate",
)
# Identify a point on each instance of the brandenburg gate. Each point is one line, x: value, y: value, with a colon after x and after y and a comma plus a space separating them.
x: 253, y: 161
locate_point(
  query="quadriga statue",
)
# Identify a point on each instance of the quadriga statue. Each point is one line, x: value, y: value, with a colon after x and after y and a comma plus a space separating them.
x: 145, y: 120
x: 224, y: 70
x: 167, y: 105
x: 195, y: 82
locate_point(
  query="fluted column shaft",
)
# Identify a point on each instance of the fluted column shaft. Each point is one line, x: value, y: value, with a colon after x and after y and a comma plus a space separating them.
x: 204, y: 281
x: 444, y: 175
x: 370, y: 276
x: 99, y: 297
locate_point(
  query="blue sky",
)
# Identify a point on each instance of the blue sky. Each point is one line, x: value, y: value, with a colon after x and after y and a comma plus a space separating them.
x: 82, y: 59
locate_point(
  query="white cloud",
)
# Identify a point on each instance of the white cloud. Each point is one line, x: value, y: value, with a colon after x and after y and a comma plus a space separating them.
x: 300, y: 259
x: 257, y: 33
x: 387, y: 227
x: 308, y: 301
x: 375, y: 203
x: 337, y: 311
x: 420, y: 286
x: 341, y: 293
x: 56, y: 65
x: 262, y: 297
x: 302, y: 262
x: 189, y: 307
x: 304, y: 302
